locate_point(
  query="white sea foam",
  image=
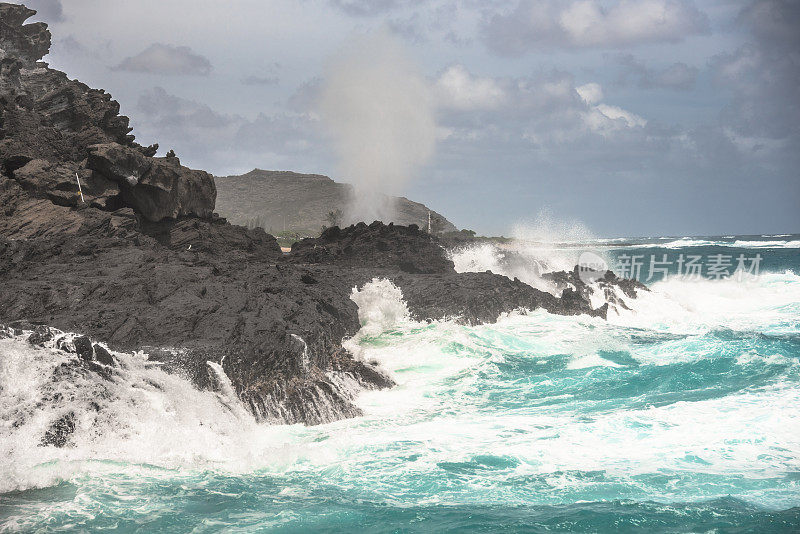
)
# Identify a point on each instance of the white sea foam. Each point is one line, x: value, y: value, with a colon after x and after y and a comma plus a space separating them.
x: 142, y: 416
x: 754, y: 433
x: 767, y: 303
x: 543, y: 245
x: 739, y: 243
x: 765, y: 244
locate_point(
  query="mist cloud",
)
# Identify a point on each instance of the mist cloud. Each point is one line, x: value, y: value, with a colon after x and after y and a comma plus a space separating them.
x: 379, y: 110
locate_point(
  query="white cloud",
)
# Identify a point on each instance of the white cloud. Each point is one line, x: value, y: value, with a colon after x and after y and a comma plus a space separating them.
x: 586, y: 23
x: 591, y: 23
x: 604, y: 118
x: 616, y: 113
x: 457, y: 88
x: 545, y: 110
x: 591, y: 93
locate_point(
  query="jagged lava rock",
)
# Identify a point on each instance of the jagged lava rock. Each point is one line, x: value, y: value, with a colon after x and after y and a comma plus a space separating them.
x: 157, y: 188
x: 29, y: 42
x: 377, y: 245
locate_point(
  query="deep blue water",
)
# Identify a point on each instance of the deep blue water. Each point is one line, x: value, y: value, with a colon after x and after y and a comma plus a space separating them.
x: 679, y: 415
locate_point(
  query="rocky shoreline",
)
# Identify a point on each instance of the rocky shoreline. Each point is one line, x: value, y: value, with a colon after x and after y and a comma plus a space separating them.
x: 143, y: 263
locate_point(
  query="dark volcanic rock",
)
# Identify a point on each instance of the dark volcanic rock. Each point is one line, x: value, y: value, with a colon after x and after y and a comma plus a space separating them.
x: 29, y: 42
x: 378, y: 245
x: 83, y: 348
x: 50, y: 125
x: 572, y: 285
x: 102, y: 355
x: 40, y: 335
x: 45, y: 115
x: 213, y: 235
x: 157, y: 188
x: 59, y: 432
x: 481, y: 297
x: 59, y: 184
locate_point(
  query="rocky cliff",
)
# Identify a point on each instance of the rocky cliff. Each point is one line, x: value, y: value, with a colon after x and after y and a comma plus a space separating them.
x: 300, y: 202
x: 141, y: 262
x: 58, y: 136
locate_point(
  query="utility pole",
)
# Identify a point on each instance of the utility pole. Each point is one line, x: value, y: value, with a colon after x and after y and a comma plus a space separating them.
x: 80, y: 189
x: 429, y: 221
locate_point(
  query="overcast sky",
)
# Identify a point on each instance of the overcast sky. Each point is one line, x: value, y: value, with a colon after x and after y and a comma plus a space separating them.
x: 636, y: 117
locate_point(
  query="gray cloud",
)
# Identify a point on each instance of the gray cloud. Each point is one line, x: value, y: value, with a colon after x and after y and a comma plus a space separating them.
x: 580, y: 24
x: 370, y: 8
x: 161, y: 58
x: 774, y: 22
x: 678, y: 76
x: 213, y: 140
x: 170, y: 112
x: 763, y: 75
x: 545, y: 112
x: 568, y: 127
x: 306, y: 97
x: 47, y: 10
x: 260, y: 80
x: 69, y: 46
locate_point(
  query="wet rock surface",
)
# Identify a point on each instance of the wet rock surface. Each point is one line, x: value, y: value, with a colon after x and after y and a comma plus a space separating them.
x: 141, y: 263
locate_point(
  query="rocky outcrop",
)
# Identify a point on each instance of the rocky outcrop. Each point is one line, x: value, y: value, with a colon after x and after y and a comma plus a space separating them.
x: 52, y: 127
x: 476, y: 298
x: 28, y: 42
x: 608, y: 282
x: 59, y: 183
x: 156, y: 188
x: 406, y: 248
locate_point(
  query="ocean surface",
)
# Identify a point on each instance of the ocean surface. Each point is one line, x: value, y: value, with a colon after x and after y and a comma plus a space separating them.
x: 681, y: 414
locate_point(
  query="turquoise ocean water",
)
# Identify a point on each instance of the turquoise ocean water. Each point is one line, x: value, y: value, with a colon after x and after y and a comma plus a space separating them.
x: 678, y: 415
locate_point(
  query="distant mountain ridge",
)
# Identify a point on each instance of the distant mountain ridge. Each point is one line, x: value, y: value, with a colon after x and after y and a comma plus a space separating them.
x: 300, y: 202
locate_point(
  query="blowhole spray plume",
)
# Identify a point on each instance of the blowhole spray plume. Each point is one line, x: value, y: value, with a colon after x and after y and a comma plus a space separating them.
x: 379, y: 111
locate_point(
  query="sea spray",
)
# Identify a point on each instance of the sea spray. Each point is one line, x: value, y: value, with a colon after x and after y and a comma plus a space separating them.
x: 379, y: 111
x: 539, y: 246
x: 380, y: 306
x: 546, y: 228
